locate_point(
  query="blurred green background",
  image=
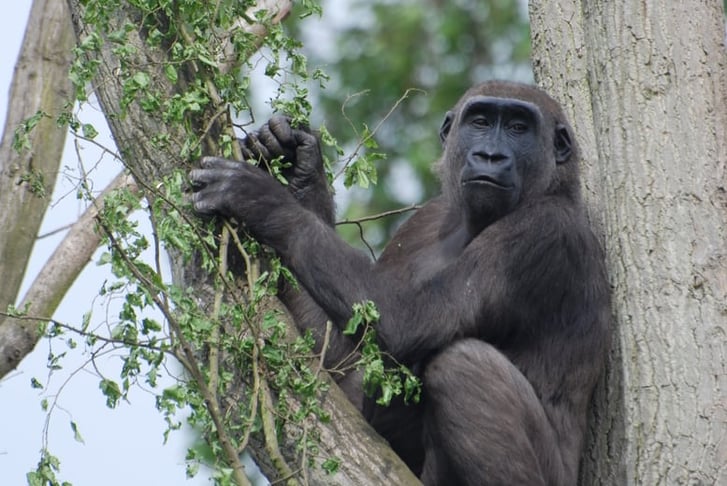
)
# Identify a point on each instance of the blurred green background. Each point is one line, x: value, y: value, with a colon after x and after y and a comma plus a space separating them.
x: 377, y: 51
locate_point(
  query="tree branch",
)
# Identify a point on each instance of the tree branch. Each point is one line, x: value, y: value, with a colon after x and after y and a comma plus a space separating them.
x: 18, y: 337
x: 365, y: 457
x: 40, y: 85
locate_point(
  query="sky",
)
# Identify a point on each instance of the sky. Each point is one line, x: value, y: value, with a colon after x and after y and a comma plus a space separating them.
x: 121, y: 446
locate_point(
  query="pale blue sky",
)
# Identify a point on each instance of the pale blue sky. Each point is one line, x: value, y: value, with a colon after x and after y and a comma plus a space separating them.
x: 122, y: 446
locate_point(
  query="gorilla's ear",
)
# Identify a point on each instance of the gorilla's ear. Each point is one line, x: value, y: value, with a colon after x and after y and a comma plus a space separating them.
x: 562, y: 144
x: 446, y: 125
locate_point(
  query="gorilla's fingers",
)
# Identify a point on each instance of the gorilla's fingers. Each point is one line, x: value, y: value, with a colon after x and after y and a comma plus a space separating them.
x: 199, y: 178
x: 272, y: 143
x: 257, y: 147
x: 305, y: 138
x: 211, y: 162
x: 247, y: 154
x: 202, y: 205
x: 280, y: 127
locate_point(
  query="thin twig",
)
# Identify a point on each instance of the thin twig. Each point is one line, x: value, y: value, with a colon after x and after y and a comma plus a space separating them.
x: 245, y: 256
x: 362, y: 141
x: 214, y: 344
x: 213, y: 406
x: 363, y: 238
x: 86, y: 334
x: 271, y: 438
x: 385, y: 214
x: 326, y: 340
x: 55, y: 231
x: 254, y: 397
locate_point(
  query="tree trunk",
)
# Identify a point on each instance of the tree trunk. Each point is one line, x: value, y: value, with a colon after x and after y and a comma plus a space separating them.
x: 40, y: 83
x: 646, y: 87
x: 365, y: 457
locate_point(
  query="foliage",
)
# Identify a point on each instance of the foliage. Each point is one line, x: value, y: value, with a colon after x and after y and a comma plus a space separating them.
x: 21, y: 141
x: 378, y: 377
x: 241, y: 355
x: 417, y: 56
x: 45, y: 473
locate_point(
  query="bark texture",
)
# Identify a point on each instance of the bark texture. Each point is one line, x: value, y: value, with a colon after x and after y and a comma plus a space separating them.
x: 40, y: 83
x: 646, y: 86
x: 365, y: 457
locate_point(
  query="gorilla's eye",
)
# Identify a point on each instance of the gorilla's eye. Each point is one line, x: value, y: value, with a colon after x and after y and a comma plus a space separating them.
x: 518, y: 127
x: 481, y: 122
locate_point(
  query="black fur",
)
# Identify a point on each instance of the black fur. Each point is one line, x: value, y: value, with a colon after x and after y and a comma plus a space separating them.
x: 495, y: 291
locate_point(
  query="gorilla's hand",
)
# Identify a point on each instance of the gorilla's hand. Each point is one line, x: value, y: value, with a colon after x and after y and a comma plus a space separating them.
x: 297, y: 147
x: 242, y: 191
x: 300, y: 148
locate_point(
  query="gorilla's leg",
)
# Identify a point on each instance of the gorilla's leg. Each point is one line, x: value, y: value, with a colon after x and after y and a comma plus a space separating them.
x: 484, y: 424
x: 401, y: 425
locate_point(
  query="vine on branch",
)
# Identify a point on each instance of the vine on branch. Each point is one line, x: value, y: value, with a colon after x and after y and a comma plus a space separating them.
x: 243, y: 376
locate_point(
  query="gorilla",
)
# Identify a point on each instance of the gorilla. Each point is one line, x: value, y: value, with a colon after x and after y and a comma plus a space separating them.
x: 494, y: 292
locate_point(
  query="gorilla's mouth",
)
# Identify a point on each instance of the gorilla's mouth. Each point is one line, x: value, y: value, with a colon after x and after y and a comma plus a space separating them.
x: 486, y: 180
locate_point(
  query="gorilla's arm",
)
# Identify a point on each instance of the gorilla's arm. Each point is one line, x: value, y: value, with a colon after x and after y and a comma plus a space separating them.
x: 300, y: 149
x: 474, y: 294
x: 306, y: 243
x: 306, y: 180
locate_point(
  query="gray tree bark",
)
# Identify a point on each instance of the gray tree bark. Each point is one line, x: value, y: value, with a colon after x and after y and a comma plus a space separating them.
x: 646, y: 88
x: 365, y: 457
x: 40, y: 83
x: 645, y: 84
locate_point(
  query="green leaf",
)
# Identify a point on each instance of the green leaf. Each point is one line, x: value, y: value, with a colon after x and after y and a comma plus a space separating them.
x: 176, y: 393
x: 112, y: 392
x: 104, y: 259
x: 141, y: 79
x: 89, y: 131
x: 387, y: 393
x: 331, y: 465
x: 45, y: 471
x: 21, y: 138
x: 150, y: 325
x: 76, y: 433
x: 353, y: 324
x: 171, y: 73
x: 412, y: 386
x: 86, y: 321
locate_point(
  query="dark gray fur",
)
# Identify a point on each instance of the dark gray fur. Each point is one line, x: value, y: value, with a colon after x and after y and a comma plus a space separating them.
x: 495, y: 291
